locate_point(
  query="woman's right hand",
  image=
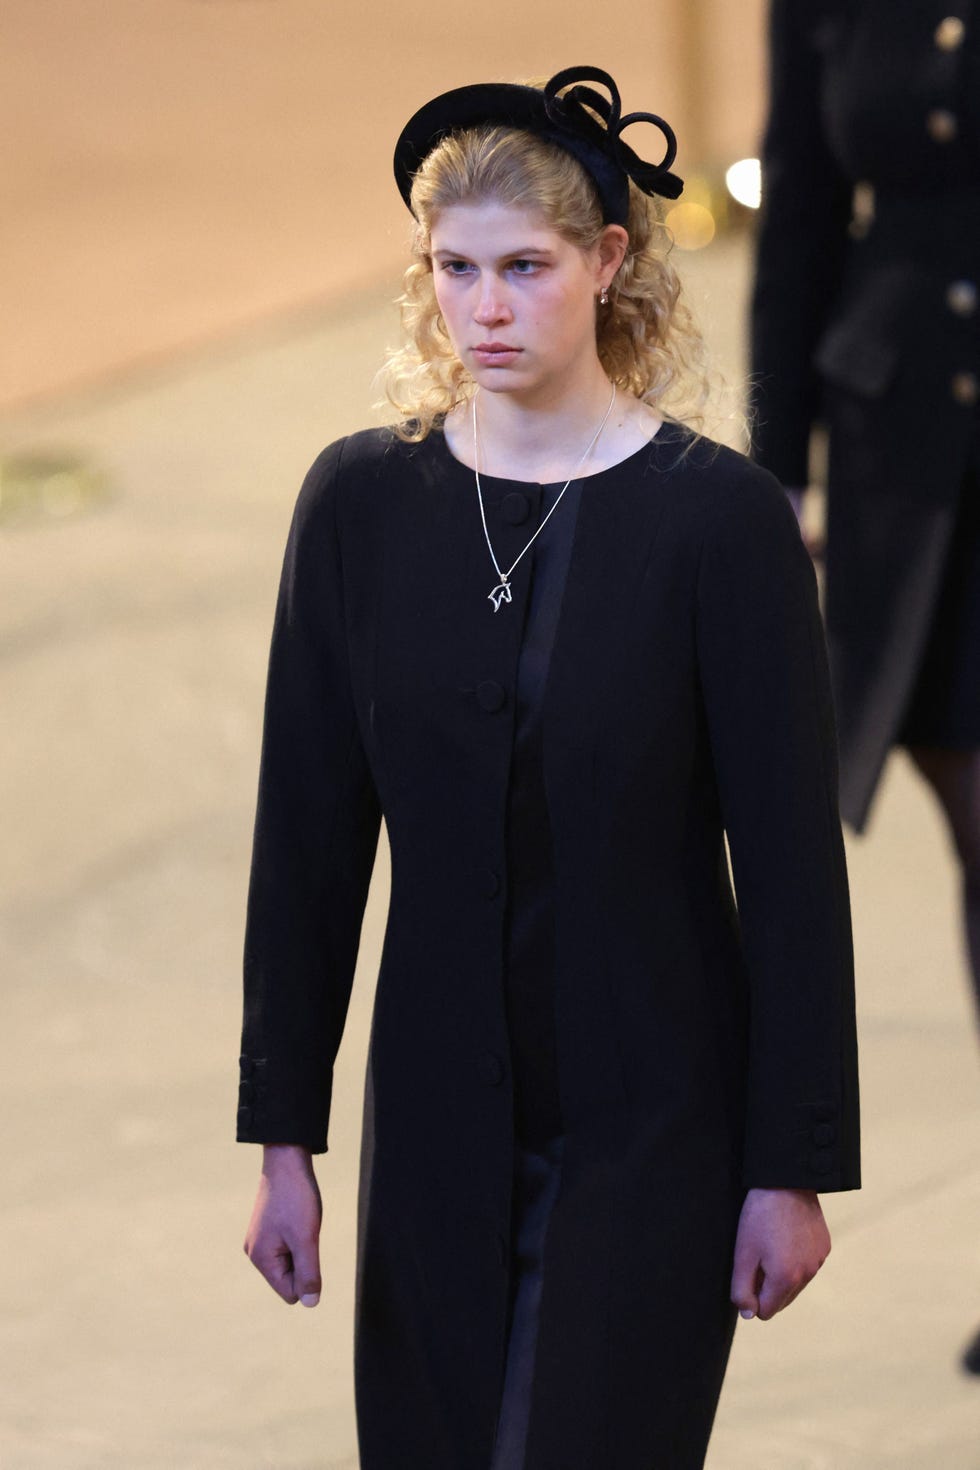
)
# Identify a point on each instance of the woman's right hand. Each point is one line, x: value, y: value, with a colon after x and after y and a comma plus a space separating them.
x: 282, y: 1240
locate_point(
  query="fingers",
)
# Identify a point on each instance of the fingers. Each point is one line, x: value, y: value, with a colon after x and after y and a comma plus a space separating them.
x: 746, y: 1279
x: 282, y: 1240
x: 761, y: 1293
x: 779, y: 1288
x: 274, y: 1261
x: 781, y: 1244
x: 306, y: 1272
x: 293, y: 1272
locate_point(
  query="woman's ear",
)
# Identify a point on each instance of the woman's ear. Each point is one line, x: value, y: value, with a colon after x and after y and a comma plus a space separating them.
x: 612, y: 246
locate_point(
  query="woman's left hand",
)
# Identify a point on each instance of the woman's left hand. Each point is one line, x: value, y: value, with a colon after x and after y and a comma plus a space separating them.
x: 781, y: 1244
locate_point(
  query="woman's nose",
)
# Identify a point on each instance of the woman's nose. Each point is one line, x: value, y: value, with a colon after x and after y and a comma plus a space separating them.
x: 491, y: 306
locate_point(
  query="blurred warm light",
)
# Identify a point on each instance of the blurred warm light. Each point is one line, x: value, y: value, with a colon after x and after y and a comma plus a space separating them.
x: 692, y: 225
x: 48, y: 485
x: 744, y: 180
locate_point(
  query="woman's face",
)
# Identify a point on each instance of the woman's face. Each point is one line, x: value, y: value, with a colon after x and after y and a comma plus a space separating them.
x: 518, y: 299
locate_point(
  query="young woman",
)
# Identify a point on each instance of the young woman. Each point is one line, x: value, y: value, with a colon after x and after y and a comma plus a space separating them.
x: 564, y: 646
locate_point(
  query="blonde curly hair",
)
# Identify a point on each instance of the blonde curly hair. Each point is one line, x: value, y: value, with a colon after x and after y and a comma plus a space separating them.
x: 647, y: 340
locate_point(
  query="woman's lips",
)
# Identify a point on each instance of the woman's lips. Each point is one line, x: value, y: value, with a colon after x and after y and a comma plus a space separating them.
x: 495, y: 354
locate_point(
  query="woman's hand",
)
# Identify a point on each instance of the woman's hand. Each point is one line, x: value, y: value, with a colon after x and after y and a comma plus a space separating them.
x: 282, y: 1240
x: 781, y: 1244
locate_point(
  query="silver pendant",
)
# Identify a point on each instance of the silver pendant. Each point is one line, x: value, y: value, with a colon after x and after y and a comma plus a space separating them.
x: 500, y: 593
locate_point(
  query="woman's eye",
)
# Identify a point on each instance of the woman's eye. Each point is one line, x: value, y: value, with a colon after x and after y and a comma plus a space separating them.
x: 455, y: 267
x: 525, y: 267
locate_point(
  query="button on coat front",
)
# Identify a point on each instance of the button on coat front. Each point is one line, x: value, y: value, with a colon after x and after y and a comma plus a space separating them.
x: 515, y: 508
x: 491, y: 696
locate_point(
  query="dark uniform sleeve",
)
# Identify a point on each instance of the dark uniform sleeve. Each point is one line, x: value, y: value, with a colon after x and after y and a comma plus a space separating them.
x: 767, y: 696
x: 316, y: 835
x: 806, y: 207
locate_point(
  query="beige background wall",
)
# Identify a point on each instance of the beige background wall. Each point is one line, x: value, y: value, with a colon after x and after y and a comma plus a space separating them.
x: 181, y: 169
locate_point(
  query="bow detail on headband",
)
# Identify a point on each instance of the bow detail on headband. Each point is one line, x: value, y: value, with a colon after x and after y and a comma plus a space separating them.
x: 570, y: 112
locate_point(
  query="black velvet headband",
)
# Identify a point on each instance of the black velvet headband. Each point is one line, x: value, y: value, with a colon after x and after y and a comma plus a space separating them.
x: 564, y: 120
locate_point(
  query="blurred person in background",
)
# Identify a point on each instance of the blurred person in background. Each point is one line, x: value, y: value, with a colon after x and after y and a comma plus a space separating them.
x: 865, y: 317
x: 563, y: 644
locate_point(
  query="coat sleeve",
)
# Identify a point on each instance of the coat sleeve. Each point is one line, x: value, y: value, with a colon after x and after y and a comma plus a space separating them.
x: 316, y: 833
x: 767, y: 699
x: 806, y: 208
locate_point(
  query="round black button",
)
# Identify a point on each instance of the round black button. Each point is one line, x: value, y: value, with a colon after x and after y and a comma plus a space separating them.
x: 489, y: 883
x: 822, y: 1161
x: 514, y: 508
x: 246, y: 1093
x: 490, y: 1069
x: 490, y: 696
x: 823, y: 1134
x: 245, y: 1117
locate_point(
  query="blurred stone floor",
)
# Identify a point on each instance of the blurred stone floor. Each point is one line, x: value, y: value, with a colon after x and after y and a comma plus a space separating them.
x: 133, y: 637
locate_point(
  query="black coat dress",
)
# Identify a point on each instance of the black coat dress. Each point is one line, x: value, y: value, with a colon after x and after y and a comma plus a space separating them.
x: 698, y: 1052
x: 872, y: 324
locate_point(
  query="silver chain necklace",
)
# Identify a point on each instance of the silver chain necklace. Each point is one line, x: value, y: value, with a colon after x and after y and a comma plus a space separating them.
x: 502, y: 593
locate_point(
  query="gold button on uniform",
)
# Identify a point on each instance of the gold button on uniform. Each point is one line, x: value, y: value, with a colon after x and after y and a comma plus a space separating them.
x: 949, y: 33
x: 941, y: 125
x: 965, y: 388
x: 962, y: 297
